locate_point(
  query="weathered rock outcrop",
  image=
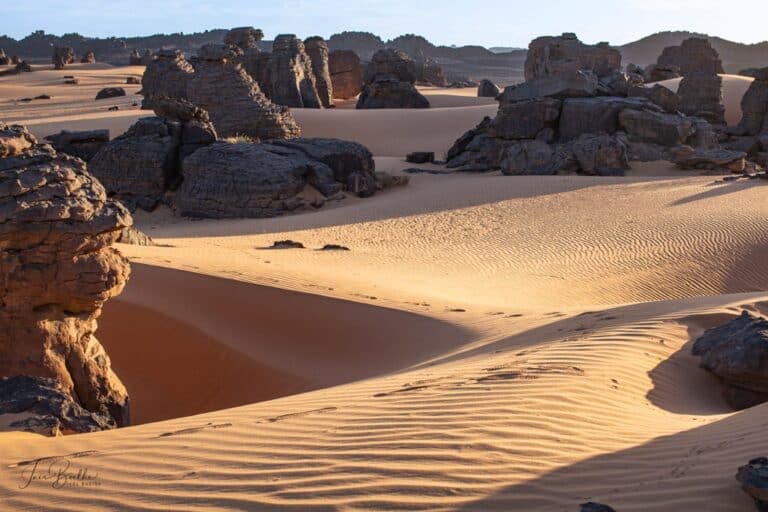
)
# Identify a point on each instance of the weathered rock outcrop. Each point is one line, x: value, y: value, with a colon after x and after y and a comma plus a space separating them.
x: 549, y: 56
x: 317, y: 49
x: 290, y: 79
x: 753, y: 478
x: 346, y: 74
x: 40, y: 405
x: 390, y: 80
x: 244, y: 37
x: 658, y: 94
x: 57, y: 268
x: 142, y: 164
x: 134, y: 59
x: 694, y: 55
x: 4, y: 60
x: 233, y: 99
x: 701, y: 95
x: 737, y: 354
x: 754, y: 105
x: 88, y: 58
x: 167, y: 76
x: 487, y: 89
x: 723, y: 160
x: 63, y: 56
x: 429, y: 72
x: 263, y: 180
x: 82, y: 144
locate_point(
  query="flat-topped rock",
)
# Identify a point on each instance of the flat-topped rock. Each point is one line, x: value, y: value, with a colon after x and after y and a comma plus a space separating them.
x: 694, y: 55
x: 548, y: 56
x: 166, y: 76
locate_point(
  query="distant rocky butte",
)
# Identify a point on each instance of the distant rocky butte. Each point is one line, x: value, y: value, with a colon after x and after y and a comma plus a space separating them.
x: 57, y: 268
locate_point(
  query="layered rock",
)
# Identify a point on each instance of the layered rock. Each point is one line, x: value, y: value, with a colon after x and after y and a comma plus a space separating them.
x: 548, y: 56
x: 244, y: 37
x: 487, y: 89
x: 737, y: 354
x: 234, y: 100
x: 142, y: 164
x: 62, y: 56
x: 694, y: 55
x: 701, y: 95
x: 290, y: 79
x: 346, y: 74
x: 389, y: 82
x: 82, y: 144
x: 317, y: 49
x: 264, y: 180
x: 167, y: 76
x: 88, y: 58
x: 57, y: 268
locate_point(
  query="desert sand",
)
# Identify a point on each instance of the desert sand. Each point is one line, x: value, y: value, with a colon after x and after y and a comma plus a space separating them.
x: 488, y: 342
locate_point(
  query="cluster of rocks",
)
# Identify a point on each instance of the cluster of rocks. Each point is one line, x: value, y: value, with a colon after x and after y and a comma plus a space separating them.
x: 138, y: 59
x: 578, y: 112
x: 429, y: 72
x: 346, y: 73
x: 58, y: 267
x: 62, y: 56
x: 389, y: 82
x: 176, y: 158
x: 737, y: 354
x: 219, y: 85
x: 88, y: 58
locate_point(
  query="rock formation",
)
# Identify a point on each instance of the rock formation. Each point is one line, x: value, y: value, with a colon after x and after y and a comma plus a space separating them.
x: 233, y: 99
x: 595, y: 507
x: 263, y: 180
x: 82, y: 144
x: 754, y: 480
x: 346, y: 74
x: 135, y: 58
x: 39, y: 405
x: 63, y: 56
x: 754, y: 106
x: 167, y: 76
x: 317, y: 49
x: 142, y: 164
x: 290, y: 79
x: 389, y: 82
x: 57, y: 268
x: 487, y: 89
x: 737, y: 354
x: 244, y: 37
x: 701, y: 95
x: 88, y: 58
x: 694, y: 55
x: 4, y: 60
x: 549, y: 56
x: 429, y: 72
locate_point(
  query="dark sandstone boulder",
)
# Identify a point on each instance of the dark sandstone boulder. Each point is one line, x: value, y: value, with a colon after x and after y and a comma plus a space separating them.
x: 658, y: 94
x: 657, y: 73
x: 41, y: 406
x: 525, y: 119
x: 754, y: 105
x: 596, y: 115
x: 82, y: 144
x: 753, y: 478
x: 317, y: 49
x: 694, y: 55
x: 167, y: 76
x: 711, y: 160
x: 110, y: 92
x: 420, y: 157
x: 487, y: 89
x: 346, y: 74
x: 62, y: 56
x: 737, y: 354
x: 391, y: 93
x: 291, y: 81
x: 571, y: 84
x: 603, y: 155
x: 549, y: 56
x: 701, y: 95
x: 595, y: 507
x: 343, y: 157
x: 652, y: 127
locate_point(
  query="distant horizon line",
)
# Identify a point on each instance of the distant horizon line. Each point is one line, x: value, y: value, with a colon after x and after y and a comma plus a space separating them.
x: 384, y: 40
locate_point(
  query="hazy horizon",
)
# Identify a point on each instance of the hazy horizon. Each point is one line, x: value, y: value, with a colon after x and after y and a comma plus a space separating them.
x: 498, y: 24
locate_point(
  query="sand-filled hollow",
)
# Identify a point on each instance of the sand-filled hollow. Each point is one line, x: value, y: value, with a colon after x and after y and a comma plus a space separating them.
x: 186, y: 343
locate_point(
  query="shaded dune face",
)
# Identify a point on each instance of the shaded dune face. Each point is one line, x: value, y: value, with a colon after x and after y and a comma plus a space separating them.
x: 186, y: 343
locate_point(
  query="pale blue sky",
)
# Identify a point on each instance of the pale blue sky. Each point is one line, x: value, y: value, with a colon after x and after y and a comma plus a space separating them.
x: 484, y: 22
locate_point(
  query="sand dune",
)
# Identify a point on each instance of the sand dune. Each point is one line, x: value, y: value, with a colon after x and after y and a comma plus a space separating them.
x: 488, y: 343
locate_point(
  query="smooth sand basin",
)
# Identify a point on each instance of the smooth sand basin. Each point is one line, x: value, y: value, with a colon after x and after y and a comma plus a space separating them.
x: 488, y: 343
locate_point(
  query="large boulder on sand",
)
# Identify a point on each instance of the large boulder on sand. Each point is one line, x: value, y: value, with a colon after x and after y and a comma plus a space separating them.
x: 233, y: 99
x: 290, y: 79
x: 58, y: 266
x: 487, y: 89
x: 548, y: 56
x: 317, y: 49
x: 753, y: 478
x: 167, y: 76
x: 346, y: 74
x: 390, y: 80
x: 754, y: 105
x: 263, y: 180
x: 737, y: 354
